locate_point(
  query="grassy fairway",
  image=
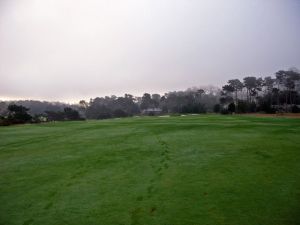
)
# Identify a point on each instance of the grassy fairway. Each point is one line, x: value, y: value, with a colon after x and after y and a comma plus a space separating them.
x: 205, y: 170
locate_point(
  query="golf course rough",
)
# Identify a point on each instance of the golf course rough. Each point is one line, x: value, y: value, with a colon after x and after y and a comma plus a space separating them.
x: 205, y: 170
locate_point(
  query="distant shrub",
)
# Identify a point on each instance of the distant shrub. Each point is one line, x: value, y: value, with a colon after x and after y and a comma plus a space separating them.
x: 295, y: 109
x: 67, y: 115
x: 241, y: 106
x: 119, y: 113
x: 224, y: 111
x: 231, y: 108
x: 217, y: 108
x: 251, y: 107
x: 3, y: 121
x: 266, y: 107
x: 17, y: 114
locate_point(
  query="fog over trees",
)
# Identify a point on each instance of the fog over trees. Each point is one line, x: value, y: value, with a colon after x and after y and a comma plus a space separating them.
x: 280, y: 93
x: 192, y: 100
x: 262, y: 94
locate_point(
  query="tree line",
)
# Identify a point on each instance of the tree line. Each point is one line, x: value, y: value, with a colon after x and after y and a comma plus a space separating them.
x: 256, y: 94
x: 18, y: 114
x: 280, y: 93
x: 193, y: 100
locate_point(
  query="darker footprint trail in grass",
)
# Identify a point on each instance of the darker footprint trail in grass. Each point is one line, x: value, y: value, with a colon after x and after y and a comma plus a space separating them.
x: 164, y: 156
x: 180, y: 170
x: 161, y: 165
x: 81, y: 169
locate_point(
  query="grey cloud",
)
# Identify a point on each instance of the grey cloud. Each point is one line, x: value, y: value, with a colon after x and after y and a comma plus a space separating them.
x: 68, y: 50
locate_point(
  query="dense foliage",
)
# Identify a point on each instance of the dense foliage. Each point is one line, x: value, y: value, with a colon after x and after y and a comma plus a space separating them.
x: 253, y: 94
x: 18, y: 114
x: 269, y: 95
x: 193, y: 100
x: 189, y: 101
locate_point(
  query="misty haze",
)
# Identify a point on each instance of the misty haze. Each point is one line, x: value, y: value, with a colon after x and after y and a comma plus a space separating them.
x: 137, y: 112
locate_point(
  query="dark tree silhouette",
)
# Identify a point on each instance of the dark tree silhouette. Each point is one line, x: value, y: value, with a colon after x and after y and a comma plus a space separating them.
x: 17, y: 114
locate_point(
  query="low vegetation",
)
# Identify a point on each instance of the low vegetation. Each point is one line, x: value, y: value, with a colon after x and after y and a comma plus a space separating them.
x: 152, y: 170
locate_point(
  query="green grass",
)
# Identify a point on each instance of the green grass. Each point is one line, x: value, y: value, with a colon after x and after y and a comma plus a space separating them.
x: 205, y: 170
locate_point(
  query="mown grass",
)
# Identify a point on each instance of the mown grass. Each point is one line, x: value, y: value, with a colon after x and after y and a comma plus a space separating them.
x: 175, y: 171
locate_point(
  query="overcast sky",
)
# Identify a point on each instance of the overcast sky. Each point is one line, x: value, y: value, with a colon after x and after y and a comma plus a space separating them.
x: 76, y: 49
